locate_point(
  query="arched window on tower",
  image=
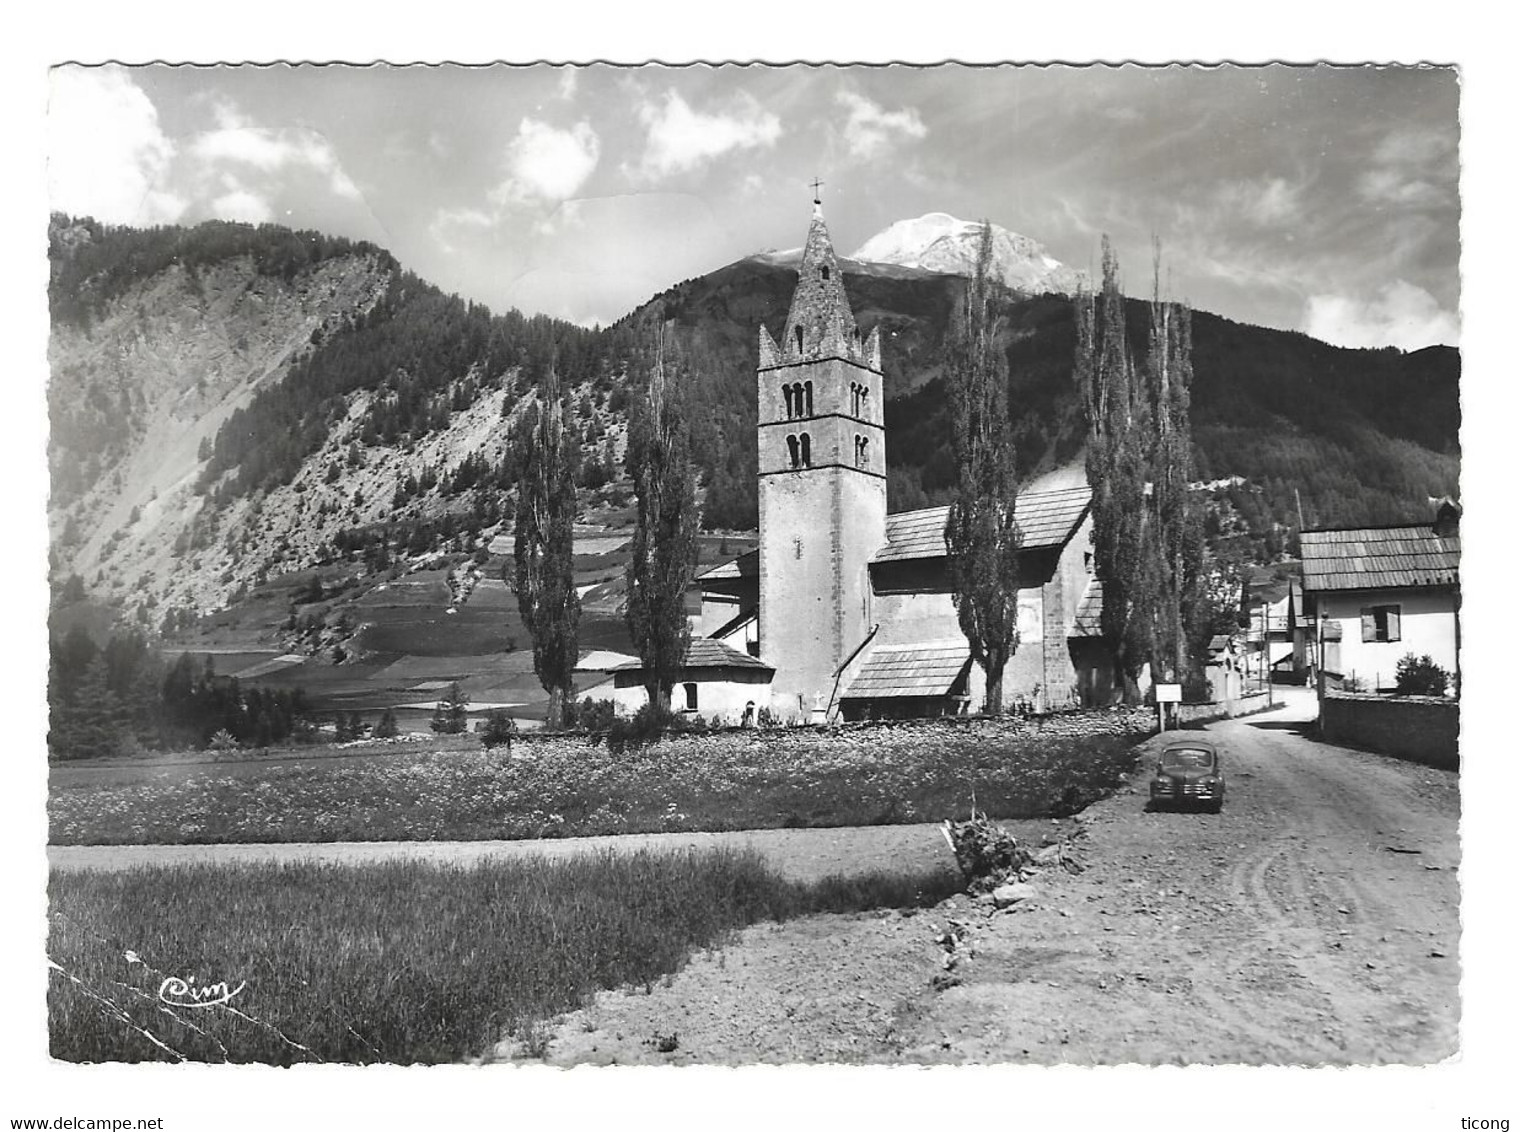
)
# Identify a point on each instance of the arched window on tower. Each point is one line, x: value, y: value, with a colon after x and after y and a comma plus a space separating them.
x: 865, y: 451
x: 808, y: 390
x: 824, y: 271
x: 794, y: 451
x: 865, y: 395
x: 807, y: 451
x: 799, y: 339
x: 786, y: 391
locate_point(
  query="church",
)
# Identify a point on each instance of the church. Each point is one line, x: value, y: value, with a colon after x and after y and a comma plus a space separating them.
x: 849, y: 608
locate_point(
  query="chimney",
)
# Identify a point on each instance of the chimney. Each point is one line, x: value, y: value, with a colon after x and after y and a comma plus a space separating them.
x: 1448, y: 517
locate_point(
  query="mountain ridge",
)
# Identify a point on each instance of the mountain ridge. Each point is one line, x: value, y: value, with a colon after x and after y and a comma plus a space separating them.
x: 364, y: 417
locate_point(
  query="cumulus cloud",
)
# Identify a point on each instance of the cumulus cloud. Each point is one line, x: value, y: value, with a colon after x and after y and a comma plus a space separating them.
x: 239, y: 202
x: 1401, y: 315
x: 869, y: 129
x: 238, y: 142
x: 547, y: 164
x: 107, y: 156
x: 680, y: 138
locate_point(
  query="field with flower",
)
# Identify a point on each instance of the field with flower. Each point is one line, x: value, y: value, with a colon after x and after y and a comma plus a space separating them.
x: 399, y: 963
x: 564, y: 786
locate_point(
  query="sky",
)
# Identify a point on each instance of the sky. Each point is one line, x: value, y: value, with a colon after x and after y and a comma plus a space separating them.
x: 1318, y: 199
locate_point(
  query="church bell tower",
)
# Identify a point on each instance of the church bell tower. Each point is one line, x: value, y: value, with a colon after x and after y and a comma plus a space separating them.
x: 823, y: 482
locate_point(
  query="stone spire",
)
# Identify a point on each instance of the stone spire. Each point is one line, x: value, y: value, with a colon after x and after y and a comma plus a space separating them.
x: 820, y: 324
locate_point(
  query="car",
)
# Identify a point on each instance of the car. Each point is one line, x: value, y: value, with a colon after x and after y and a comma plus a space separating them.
x: 1188, y: 772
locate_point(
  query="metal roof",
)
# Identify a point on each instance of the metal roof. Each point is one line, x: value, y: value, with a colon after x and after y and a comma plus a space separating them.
x: 707, y: 653
x: 927, y: 669
x: 1089, y: 619
x: 1375, y: 558
x: 1045, y: 518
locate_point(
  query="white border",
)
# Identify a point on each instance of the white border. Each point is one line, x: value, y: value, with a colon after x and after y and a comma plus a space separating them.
x: 1476, y: 1084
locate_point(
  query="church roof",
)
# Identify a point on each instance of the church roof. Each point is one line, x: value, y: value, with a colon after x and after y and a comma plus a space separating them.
x: 820, y: 323
x: 707, y: 653
x: 747, y: 565
x: 1089, y: 619
x: 927, y: 669
x: 1045, y: 518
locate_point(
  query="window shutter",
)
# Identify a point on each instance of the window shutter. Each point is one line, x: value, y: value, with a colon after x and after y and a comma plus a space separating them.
x: 1369, y: 625
x: 1393, y: 623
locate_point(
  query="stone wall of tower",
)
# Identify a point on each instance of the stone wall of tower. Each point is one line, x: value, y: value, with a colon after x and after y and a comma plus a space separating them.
x: 819, y: 525
x: 822, y: 521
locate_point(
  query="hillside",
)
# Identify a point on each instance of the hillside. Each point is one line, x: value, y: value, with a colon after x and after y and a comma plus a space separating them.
x: 1365, y: 436
x: 270, y: 444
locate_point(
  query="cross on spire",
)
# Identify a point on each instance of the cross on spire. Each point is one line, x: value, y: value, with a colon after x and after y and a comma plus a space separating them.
x: 816, y: 184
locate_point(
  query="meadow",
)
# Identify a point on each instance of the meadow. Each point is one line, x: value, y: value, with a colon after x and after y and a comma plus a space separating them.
x: 398, y: 963
x: 564, y: 786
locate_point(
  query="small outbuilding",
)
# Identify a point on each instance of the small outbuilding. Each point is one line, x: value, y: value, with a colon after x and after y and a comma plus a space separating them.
x: 718, y: 682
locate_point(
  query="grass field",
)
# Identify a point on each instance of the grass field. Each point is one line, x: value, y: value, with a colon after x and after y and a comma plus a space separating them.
x: 398, y: 963
x: 568, y: 787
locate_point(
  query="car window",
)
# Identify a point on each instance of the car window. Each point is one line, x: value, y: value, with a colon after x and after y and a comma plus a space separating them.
x: 1187, y: 758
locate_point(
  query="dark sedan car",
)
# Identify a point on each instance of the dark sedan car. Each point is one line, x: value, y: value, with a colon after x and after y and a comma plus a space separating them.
x: 1188, y: 773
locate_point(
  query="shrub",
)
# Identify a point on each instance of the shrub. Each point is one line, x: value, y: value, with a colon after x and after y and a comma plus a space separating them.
x: 591, y: 715
x: 645, y: 726
x: 223, y: 740
x: 451, y: 714
x: 499, y: 730
x: 1420, y: 676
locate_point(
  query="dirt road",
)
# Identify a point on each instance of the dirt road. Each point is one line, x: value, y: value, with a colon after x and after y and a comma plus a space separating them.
x: 1315, y: 920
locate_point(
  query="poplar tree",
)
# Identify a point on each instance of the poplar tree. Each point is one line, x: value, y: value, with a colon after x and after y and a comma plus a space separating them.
x: 1117, y: 471
x: 664, y: 551
x: 1176, y: 520
x: 543, y: 544
x: 981, y: 533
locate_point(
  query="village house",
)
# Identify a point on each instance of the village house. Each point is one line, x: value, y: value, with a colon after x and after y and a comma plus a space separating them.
x: 1377, y: 594
x: 849, y: 608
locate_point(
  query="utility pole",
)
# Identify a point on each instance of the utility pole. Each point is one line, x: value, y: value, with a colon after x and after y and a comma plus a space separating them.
x: 1321, y: 681
x: 1266, y: 648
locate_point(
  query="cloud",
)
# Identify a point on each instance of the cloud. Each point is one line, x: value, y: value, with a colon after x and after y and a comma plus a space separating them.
x: 1412, y: 167
x: 544, y: 163
x: 680, y: 139
x: 1401, y: 315
x: 1266, y: 203
x: 271, y: 150
x: 241, y: 203
x: 107, y: 156
x: 1412, y: 146
x: 1393, y: 186
x: 870, y: 128
x: 569, y: 77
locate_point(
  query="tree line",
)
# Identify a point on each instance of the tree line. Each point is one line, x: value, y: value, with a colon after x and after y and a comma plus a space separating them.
x: 121, y: 697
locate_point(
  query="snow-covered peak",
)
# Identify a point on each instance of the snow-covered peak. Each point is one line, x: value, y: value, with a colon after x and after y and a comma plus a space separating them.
x: 938, y: 241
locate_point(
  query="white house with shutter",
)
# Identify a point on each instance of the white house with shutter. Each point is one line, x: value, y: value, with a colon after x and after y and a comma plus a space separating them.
x: 1381, y: 593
